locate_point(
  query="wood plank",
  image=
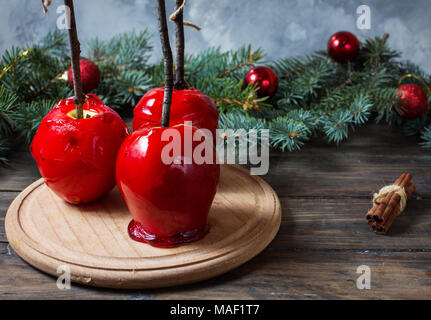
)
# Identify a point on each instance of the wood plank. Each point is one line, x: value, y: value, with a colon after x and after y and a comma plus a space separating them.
x: 21, y: 281
x: 331, y: 224
x: 377, y: 136
x: 317, y: 275
x: 5, y: 200
x: 274, y: 274
x: 20, y: 172
x: 340, y: 176
x: 339, y: 224
x: 314, y: 172
x: 374, y: 156
x: 323, y: 237
x: 94, y: 241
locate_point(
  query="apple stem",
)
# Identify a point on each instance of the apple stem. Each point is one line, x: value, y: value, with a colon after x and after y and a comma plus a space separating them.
x: 180, y: 83
x: 168, y: 61
x: 75, y: 51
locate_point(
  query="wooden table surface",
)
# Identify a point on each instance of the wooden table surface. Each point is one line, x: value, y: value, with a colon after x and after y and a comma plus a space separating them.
x: 325, y: 192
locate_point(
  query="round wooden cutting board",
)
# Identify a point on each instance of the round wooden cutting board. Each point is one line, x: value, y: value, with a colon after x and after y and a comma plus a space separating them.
x: 92, y: 239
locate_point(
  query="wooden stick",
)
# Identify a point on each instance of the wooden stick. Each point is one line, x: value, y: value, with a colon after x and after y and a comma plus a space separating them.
x: 167, y: 54
x: 180, y: 83
x: 75, y: 51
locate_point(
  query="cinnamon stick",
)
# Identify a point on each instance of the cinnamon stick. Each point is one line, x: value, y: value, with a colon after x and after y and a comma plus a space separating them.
x: 383, y: 213
x: 384, y: 227
x: 391, y: 199
x: 382, y: 204
x: 370, y: 214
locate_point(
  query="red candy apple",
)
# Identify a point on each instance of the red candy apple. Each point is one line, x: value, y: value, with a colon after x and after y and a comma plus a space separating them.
x: 187, y: 105
x: 166, y: 174
x: 76, y: 157
x: 169, y: 200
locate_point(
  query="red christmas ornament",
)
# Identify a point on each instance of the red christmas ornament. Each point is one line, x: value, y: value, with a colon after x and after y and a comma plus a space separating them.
x: 414, y: 101
x: 169, y: 201
x: 265, y: 78
x: 76, y: 157
x: 90, y: 75
x: 187, y: 105
x: 343, y: 47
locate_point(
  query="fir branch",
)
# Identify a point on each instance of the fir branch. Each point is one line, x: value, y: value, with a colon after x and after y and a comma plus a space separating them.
x: 29, y: 116
x: 54, y: 43
x: 415, y: 126
x: 288, y: 134
x: 250, y: 62
x: 239, y: 120
x: 426, y: 136
x: 337, y: 126
x: 7, y: 110
x: 316, y: 96
x: 4, y: 150
x: 130, y: 87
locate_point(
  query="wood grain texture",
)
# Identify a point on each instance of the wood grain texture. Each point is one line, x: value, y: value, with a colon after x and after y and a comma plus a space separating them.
x: 322, y: 224
x: 273, y: 274
x: 92, y: 239
x: 21, y: 171
x: 324, y: 191
x: 6, y: 199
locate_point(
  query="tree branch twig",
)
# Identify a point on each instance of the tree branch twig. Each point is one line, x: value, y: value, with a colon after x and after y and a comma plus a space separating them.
x: 75, y: 51
x: 180, y: 83
x: 168, y: 62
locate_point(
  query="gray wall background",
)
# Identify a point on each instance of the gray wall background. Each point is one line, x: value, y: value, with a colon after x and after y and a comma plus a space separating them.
x: 282, y: 27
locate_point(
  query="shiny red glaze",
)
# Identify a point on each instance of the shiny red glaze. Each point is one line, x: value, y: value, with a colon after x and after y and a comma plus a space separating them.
x: 343, y: 47
x: 76, y: 157
x: 187, y: 105
x: 137, y: 232
x: 168, y: 202
x: 90, y: 75
x: 266, y: 80
x: 414, y: 101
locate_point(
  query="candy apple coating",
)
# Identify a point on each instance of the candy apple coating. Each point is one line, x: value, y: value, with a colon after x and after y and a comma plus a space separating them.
x: 187, y: 105
x: 265, y: 79
x: 76, y: 157
x: 168, y: 202
x: 343, y: 47
x: 90, y: 75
